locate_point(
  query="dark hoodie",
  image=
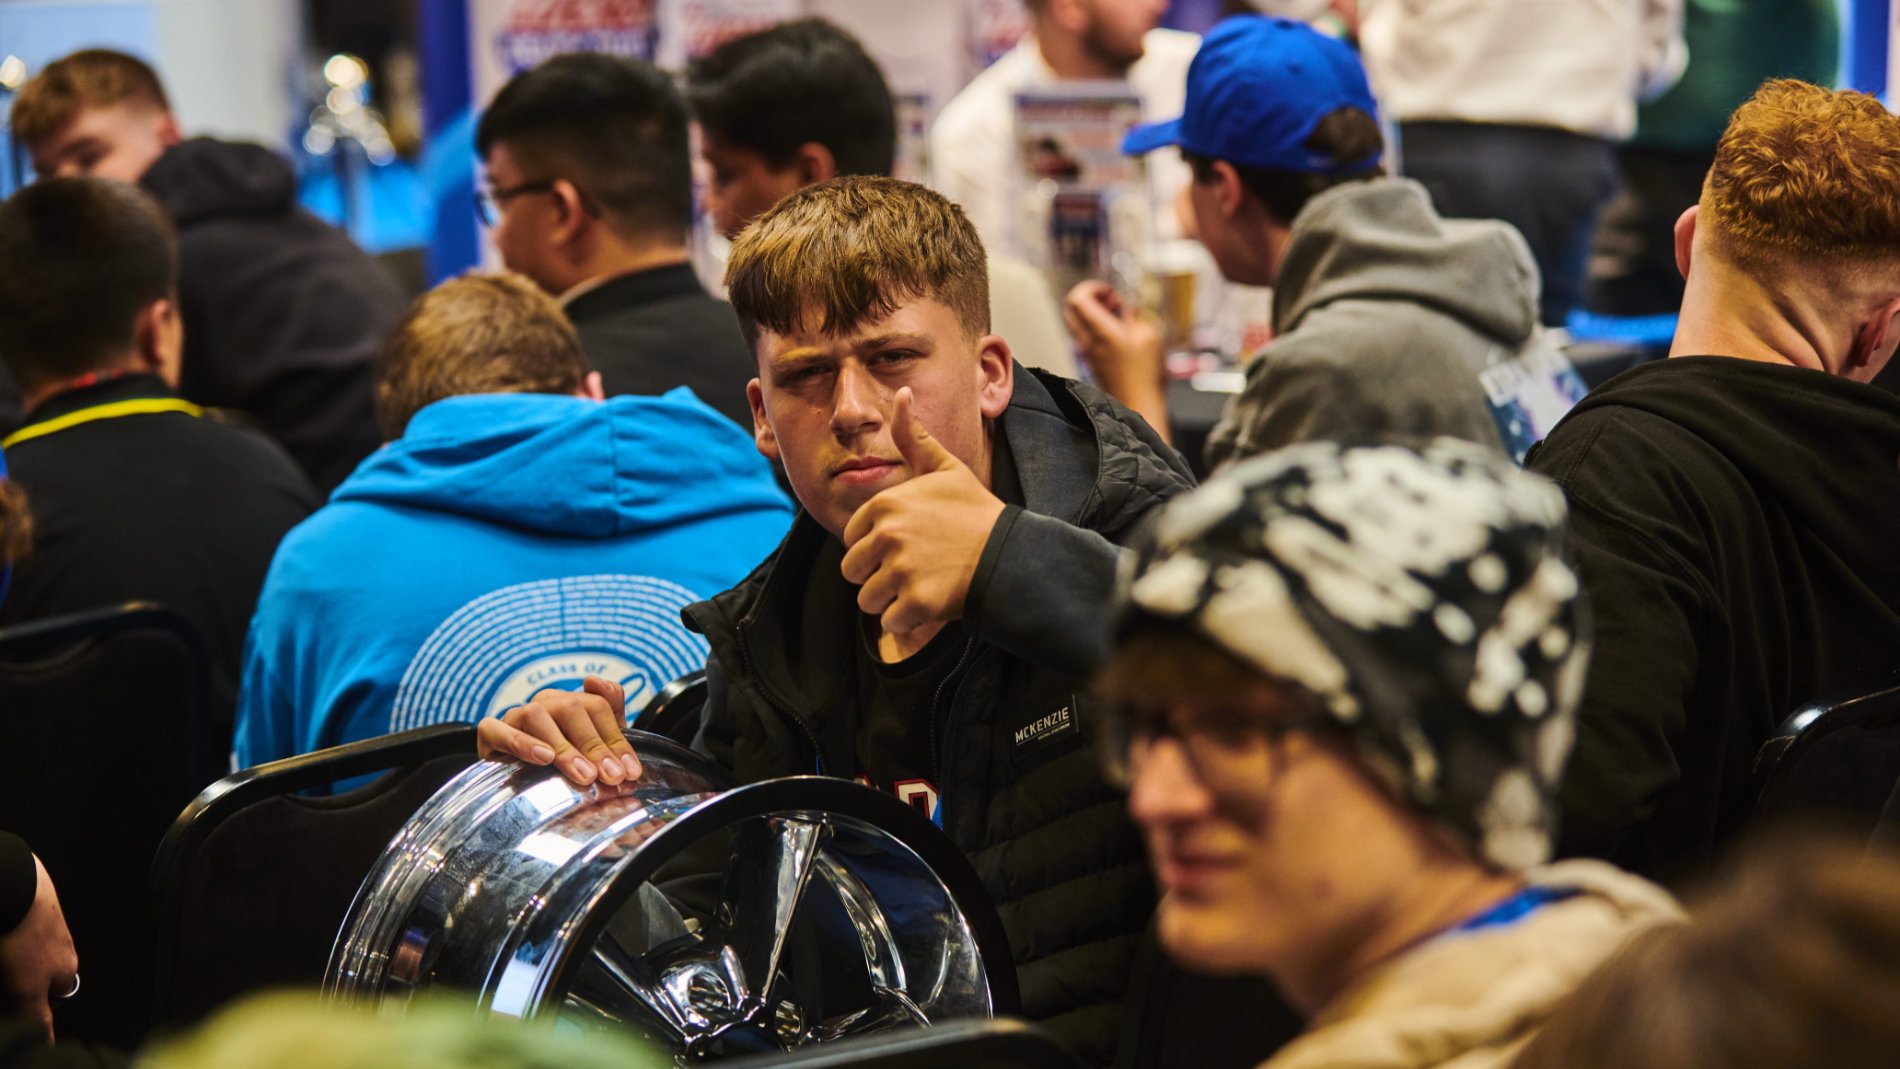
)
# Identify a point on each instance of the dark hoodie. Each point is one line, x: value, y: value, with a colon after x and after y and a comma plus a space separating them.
x: 1734, y: 523
x: 284, y: 314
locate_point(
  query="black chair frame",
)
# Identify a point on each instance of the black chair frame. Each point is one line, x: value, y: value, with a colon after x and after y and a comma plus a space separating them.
x: 44, y: 643
x: 241, y: 789
x: 1806, y: 727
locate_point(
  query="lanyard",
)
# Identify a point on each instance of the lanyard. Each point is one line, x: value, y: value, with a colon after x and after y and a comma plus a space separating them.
x: 113, y: 410
x: 1516, y: 907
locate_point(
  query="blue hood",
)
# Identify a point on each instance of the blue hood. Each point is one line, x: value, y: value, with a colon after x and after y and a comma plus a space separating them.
x: 486, y: 456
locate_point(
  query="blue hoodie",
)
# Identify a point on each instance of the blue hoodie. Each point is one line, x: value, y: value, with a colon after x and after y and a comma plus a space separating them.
x: 505, y: 544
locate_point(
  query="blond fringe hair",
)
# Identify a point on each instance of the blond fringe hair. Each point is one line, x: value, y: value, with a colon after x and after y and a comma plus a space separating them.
x: 854, y: 249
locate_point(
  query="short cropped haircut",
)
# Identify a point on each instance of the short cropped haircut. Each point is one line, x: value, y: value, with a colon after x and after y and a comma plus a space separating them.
x: 80, y: 258
x: 854, y: 249
x: 794, y: 83
x: 1807, y: 171
x: 1348, y: 137
x: 94, y: 78
x: 614, y: 127
x: 481, y: 333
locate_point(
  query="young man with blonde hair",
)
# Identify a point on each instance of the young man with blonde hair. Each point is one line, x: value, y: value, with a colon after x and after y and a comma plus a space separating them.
x: 929, y: 624
x: 509, y: 498
x: 283, y: 313
x: 1735, y: 504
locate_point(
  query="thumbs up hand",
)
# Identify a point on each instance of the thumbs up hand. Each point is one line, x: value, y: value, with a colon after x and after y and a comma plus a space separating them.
x: 914, y: 547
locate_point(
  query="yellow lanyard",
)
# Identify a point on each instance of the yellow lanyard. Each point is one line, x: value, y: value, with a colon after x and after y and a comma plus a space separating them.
x: 115, y: 409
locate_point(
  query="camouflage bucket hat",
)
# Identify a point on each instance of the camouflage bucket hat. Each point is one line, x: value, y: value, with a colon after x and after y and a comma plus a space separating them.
x: 1418, y: 595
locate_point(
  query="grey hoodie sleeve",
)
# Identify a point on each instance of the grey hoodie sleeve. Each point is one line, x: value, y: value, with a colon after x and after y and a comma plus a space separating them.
x: 1041, y: 591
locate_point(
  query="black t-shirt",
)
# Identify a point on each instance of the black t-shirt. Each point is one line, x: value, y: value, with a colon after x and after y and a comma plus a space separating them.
x: 897, y: 736
x: 900, y: 708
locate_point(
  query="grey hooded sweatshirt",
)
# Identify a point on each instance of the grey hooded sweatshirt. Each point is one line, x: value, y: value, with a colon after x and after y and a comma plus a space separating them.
x: 1384, y: 318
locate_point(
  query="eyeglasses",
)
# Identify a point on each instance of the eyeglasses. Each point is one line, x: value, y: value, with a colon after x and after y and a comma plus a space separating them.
x: 489, y: 202
x: 1226, y: 748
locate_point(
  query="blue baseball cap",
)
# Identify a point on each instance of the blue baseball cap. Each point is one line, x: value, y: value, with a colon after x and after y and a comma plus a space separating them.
x: 1255, y: 92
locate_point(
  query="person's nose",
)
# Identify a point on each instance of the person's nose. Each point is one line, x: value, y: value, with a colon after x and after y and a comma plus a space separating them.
x: 1166, y: 789
x: 860, y: 403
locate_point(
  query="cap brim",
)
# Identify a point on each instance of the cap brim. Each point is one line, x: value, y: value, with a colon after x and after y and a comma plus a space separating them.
x: 1145, y: 139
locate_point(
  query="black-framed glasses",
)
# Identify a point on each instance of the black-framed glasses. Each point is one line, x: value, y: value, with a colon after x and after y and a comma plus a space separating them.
x: 1225, y: 748
x: 489, y: 201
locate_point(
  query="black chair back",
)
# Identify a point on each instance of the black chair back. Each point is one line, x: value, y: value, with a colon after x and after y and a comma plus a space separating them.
x: 254, y: 879
x: 674, y: 711
x: 1837, y: 761
x: 108, y: 725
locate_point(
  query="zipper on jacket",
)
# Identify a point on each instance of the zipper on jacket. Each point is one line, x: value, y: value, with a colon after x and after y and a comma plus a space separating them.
x: 936, y: 755
x: 778, y: 705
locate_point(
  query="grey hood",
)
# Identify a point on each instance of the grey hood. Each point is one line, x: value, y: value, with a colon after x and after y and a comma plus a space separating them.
x: 1383, y: 240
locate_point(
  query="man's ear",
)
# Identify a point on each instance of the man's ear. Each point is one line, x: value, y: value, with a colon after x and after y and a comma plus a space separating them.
x: 591, y: 388
x: 573, y: 220
x: 997, y: 371
x: 1685, y: 237
x: 168, y: 132
x: 158, y: 340
x: 815, y: 163
x: 1068, y: 14
x: 1230, y: 191
x: 1874, y: 342
x: 762, y: 435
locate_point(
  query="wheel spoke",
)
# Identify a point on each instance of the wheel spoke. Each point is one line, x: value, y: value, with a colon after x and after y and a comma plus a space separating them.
x: 893, y: 1010
x: 613, y: 985
x: 768, y: 869
x: 881, y: 964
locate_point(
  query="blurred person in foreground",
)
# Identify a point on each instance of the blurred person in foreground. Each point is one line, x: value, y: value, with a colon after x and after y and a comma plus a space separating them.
x: 801, y: 102
x: 1735, y: 505
x: 589, y: 193
x: 1346, y: 677
x: 1793, y: 959
x: 929, y: 624
x: 137, y: 494
x: 283, y: 313
x: 1387, y: 318
x: 511, y: 503
x: 298, y: 1030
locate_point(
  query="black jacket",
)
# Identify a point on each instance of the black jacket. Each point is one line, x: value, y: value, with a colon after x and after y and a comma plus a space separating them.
x: 1049, y: 838
x: 650, y: 331
x: 284, y: 314
x: 182, y: 510
x: 1734, y: 524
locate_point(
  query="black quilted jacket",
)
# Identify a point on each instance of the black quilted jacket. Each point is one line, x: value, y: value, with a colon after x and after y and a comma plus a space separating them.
x: 1022, y: 792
